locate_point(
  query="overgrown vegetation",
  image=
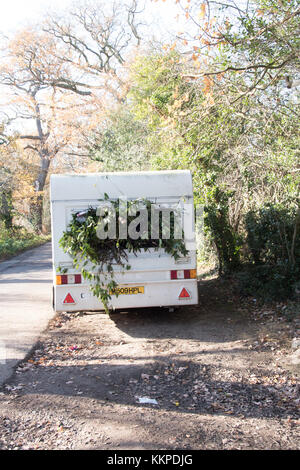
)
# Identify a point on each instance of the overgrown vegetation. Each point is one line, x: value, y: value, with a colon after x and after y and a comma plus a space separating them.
x: 274, y: 244
x: 120, y: 144
x: 96, y: 242
x: 17, y: 239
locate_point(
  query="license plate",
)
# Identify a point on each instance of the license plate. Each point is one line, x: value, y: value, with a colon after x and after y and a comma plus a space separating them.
x: 132, y: 290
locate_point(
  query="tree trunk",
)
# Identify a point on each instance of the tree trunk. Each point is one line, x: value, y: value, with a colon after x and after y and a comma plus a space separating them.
x: 296, y: 228
x: 6, y: 209
x: 37, y: 206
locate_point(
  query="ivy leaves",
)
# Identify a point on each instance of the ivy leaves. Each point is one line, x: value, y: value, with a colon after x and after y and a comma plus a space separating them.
x: 96, y: 256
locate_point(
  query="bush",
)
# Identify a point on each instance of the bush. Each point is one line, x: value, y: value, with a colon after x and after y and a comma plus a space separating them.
x: 273, y: 235
x: 16, y: 240
x: 268, y: 282
x: 227, y: 242
x: 274, y: 245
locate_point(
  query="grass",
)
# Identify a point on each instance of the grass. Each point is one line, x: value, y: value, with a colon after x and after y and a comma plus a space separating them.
x: 17, y: 240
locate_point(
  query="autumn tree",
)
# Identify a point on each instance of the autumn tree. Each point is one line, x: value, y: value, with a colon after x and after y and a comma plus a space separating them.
x: 52, y: 115
x: 17, y: 174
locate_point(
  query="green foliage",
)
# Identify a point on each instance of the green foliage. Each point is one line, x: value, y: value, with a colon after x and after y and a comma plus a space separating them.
x: 227, y: 242
x: 120, y: 144
x: 273, y: 237
x: 17, y: 239
x: 154, y: 79
x: 230, y: 114
x: 96, y: 256
x: 6, y: 209
x: 243, y: 153
x: 268, y: 282
x: 270, y: 41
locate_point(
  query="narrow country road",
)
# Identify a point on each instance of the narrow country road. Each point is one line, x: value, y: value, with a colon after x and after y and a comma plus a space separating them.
x: 25, y: 304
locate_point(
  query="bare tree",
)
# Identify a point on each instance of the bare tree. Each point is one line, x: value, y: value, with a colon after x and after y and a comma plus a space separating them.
x: 97, y: 37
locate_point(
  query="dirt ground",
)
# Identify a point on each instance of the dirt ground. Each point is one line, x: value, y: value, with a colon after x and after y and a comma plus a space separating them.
x: 219, y: 374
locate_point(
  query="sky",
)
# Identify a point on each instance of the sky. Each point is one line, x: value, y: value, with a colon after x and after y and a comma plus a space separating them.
x: 18, y: 13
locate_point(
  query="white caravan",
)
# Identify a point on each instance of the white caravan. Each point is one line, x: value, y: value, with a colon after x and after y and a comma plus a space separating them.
x: 155, y: 277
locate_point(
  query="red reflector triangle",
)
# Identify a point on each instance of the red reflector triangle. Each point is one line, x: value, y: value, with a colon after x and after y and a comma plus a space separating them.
x: 184, y: 294
x: 69, y: 299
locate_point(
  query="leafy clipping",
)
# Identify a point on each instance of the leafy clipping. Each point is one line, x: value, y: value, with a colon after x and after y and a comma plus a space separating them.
x: 95, y: 257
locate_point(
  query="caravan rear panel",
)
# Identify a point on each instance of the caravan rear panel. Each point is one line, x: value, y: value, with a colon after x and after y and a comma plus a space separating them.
x: 155, y: 278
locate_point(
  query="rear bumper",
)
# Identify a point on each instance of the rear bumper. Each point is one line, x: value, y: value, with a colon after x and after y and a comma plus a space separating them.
x: 156, y: 294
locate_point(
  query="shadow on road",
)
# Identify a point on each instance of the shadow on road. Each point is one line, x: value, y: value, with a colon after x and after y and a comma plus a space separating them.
x: 180, y: 386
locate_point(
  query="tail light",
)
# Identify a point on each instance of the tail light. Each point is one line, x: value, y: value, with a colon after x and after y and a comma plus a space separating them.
x: 184, y: 274
x: 68, y: 279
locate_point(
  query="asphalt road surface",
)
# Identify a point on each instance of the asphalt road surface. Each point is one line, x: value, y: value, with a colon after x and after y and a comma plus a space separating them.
x: 25, y: 305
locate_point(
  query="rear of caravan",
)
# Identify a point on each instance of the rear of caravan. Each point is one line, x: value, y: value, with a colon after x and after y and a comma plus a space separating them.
x: 155, y: 278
